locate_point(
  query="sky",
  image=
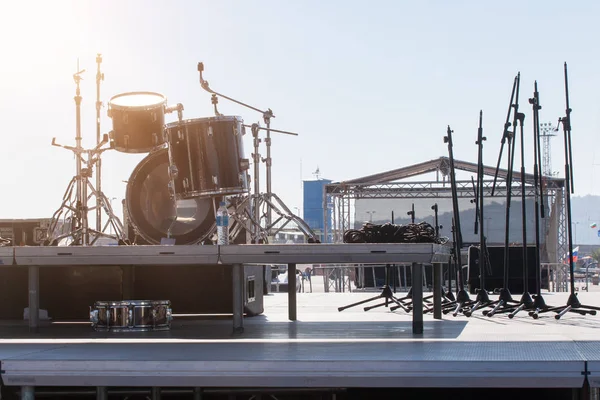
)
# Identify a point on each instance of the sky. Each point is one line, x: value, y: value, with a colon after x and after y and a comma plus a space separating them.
x: 368, y: 86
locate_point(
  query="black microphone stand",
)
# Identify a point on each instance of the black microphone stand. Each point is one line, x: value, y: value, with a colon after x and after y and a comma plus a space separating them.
x: 505, y: 299
x: 573, y: 303
x: 462, y: 297
x: 506, y: 132
x: 539, y: 303
x: 526, y: 301
x: 482, y: 299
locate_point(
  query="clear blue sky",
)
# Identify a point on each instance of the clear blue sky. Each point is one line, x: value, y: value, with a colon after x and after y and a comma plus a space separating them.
x: 370, y: 86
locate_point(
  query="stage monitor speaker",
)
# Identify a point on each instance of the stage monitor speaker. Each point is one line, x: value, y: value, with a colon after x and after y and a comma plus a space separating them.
x: 495, y: 280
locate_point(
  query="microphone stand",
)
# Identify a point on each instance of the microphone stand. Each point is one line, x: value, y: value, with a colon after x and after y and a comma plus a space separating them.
x: 526, y: 301
x: 573, y: 303
x: 505, y: 133
x: 538, y: 301
x: 482, y: 299
x: 505, y: 299
x: 462, y: 297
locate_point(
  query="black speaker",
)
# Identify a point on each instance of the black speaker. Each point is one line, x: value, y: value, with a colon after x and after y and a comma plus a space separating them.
x: 495, y: 280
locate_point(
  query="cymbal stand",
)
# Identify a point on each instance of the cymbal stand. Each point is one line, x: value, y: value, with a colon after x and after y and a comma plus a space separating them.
x: 264, y: 203
x: 74, y: 206
x: 573, y: 303
x: 99, y: 78
x: 267, y: 199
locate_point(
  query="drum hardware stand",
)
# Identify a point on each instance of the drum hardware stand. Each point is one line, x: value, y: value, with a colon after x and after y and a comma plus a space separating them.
x: 99, y: 78
x: 257, y: 197
x: 172, y: 175
x: 573, y: 303
x: 505, y: 301
x: 80, y: 230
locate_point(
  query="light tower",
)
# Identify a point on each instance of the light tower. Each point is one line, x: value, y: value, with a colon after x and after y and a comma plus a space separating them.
x: 547, y: 130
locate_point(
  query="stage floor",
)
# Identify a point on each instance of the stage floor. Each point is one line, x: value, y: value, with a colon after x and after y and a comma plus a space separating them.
x: 324, y: 348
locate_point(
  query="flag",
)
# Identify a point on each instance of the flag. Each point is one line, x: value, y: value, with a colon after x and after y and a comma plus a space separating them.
x: 575, y: 252
x: 594, y: 225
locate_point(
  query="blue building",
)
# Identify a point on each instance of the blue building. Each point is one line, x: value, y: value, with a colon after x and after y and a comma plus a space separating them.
x: 313, y: 206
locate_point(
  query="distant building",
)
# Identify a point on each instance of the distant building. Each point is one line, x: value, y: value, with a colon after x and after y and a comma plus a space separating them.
x: 313, y: 211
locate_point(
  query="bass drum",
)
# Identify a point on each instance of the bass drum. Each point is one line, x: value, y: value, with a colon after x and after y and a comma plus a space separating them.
x: 150, y: 208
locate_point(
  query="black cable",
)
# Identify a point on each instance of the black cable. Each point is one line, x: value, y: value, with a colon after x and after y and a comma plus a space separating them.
x: 390, y: 233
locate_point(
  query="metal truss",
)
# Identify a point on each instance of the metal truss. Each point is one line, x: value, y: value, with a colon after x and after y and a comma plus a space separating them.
x: 386, y: 185
x: 404, y: 190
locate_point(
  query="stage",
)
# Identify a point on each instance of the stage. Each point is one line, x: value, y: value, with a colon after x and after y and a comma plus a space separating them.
x: 324, y: 348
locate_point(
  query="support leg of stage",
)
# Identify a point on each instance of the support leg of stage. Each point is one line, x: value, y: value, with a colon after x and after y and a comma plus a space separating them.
x: 437, y: 290
x: 27, y: 392
x: 238, y: 298
x: 34, y: 298
x: 101, y: 393
x: 292, y: 305
x: 417, y: 311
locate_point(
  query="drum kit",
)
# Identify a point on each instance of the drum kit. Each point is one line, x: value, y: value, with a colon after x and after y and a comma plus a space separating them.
x: 171, y: 195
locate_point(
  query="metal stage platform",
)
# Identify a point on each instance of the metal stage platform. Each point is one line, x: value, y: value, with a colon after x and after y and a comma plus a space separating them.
x: 318, y: 348
x: 322, y: 349
x: 234, y: 255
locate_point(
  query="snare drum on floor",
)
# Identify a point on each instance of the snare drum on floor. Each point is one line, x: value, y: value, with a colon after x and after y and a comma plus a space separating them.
x: 131, y: 315
x: 138, y: 120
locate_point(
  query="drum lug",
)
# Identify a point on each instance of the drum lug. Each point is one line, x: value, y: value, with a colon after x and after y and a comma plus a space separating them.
x: 169, y: 315
x: 173, y: 171
x: 94, y: 317
x: 210, y: 131
x: 179, y: 134
x: 130, y: 317
x: 186, y: 184
x: 155, y: 138
x: 126, y: 140
x: 216, y: 180
x: 244, y: 164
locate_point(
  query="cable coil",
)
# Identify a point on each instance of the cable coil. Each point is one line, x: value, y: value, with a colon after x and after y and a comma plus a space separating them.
x: 391, y: 233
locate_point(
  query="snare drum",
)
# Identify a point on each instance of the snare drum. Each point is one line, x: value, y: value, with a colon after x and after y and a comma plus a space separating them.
x: 138, y: 121
x: 207, y: 155
x: 131, y: 315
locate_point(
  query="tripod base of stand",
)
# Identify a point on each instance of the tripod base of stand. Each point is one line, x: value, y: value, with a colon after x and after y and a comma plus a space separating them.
x: 243, y: 216
x: 80, y: 232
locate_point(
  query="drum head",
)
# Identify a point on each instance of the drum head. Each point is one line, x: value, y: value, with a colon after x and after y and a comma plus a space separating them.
x: 133, y: 100
x: 152, y: 211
